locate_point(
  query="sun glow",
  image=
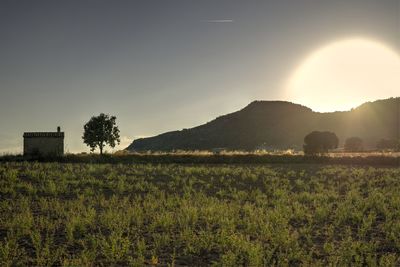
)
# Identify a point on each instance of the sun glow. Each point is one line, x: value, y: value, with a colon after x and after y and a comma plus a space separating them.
x: 345, y: 74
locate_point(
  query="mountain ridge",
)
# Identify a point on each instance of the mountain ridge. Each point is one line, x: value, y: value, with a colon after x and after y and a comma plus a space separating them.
x: 280, y: 125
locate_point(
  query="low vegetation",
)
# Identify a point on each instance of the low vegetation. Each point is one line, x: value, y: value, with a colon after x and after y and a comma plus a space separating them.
x: 354, y: 144
x: 320, y: 142
x: 224, y: 157
x: 172, y: 215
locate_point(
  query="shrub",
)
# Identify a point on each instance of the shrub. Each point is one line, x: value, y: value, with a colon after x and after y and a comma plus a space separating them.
x: 319, y: 142
x: 354, y: 144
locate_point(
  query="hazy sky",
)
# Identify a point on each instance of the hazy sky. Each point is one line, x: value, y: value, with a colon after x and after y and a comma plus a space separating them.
x: 161, y: 65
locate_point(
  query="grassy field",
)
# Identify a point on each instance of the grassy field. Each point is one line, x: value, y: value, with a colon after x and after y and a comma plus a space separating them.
x: 79, y: 214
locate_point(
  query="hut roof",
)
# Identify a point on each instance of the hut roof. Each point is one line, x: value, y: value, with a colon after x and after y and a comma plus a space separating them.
x: 44, y: 134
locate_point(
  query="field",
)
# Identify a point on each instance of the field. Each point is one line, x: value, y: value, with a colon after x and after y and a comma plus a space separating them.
x: 370, y: 158
x: 80, y: 214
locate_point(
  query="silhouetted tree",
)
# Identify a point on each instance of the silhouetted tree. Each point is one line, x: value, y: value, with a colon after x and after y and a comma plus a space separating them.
x: 319, y: 142
x: 388, y: 144
x: 354, y: 144
x: 100, y: 131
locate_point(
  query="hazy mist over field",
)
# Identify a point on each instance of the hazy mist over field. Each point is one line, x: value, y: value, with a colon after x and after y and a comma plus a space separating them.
x: 166, y: 65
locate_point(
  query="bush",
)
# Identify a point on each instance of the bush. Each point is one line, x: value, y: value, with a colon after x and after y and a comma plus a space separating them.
x: 388, y: 144
x: 320, y: 142
x: 354, y: 144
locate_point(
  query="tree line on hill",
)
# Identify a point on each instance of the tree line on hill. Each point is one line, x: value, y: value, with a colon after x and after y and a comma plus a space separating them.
x: 270, y: 125
x: 102, y: 130
x: 318, y: 142
x: 279, y: 125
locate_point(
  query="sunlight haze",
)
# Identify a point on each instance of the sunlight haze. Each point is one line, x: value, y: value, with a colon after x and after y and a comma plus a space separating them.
x: 345, y: 74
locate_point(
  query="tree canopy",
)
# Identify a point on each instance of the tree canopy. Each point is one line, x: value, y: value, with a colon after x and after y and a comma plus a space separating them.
x: 100, y: 131
x: 388, y: 144
x: 319, y: 142
x: 354, y: 144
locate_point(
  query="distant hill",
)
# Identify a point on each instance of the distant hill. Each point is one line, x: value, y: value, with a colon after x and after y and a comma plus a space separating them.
x: 280, y: 125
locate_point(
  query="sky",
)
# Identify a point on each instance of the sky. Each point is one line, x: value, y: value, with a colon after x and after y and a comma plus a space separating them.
x: 161, y: 65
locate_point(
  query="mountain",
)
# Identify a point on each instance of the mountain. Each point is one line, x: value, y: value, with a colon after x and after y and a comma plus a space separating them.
x: 280, y: 125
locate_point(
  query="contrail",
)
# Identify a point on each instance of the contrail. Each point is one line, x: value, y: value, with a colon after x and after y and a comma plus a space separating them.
x: 217, y: 20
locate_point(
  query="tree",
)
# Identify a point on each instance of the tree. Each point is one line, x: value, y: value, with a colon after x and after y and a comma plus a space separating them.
x: 354, y: 144
x: 388, y: 144
x: 100, y: 131
x: 319, y: 142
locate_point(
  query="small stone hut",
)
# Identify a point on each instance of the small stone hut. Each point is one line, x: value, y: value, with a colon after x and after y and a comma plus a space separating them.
x: 44, y: 143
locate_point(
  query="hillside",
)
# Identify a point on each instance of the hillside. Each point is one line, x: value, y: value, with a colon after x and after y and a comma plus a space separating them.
x: 280, y: 125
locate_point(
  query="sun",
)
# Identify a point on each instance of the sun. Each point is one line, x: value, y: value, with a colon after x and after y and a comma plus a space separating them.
x: 345, y: 74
